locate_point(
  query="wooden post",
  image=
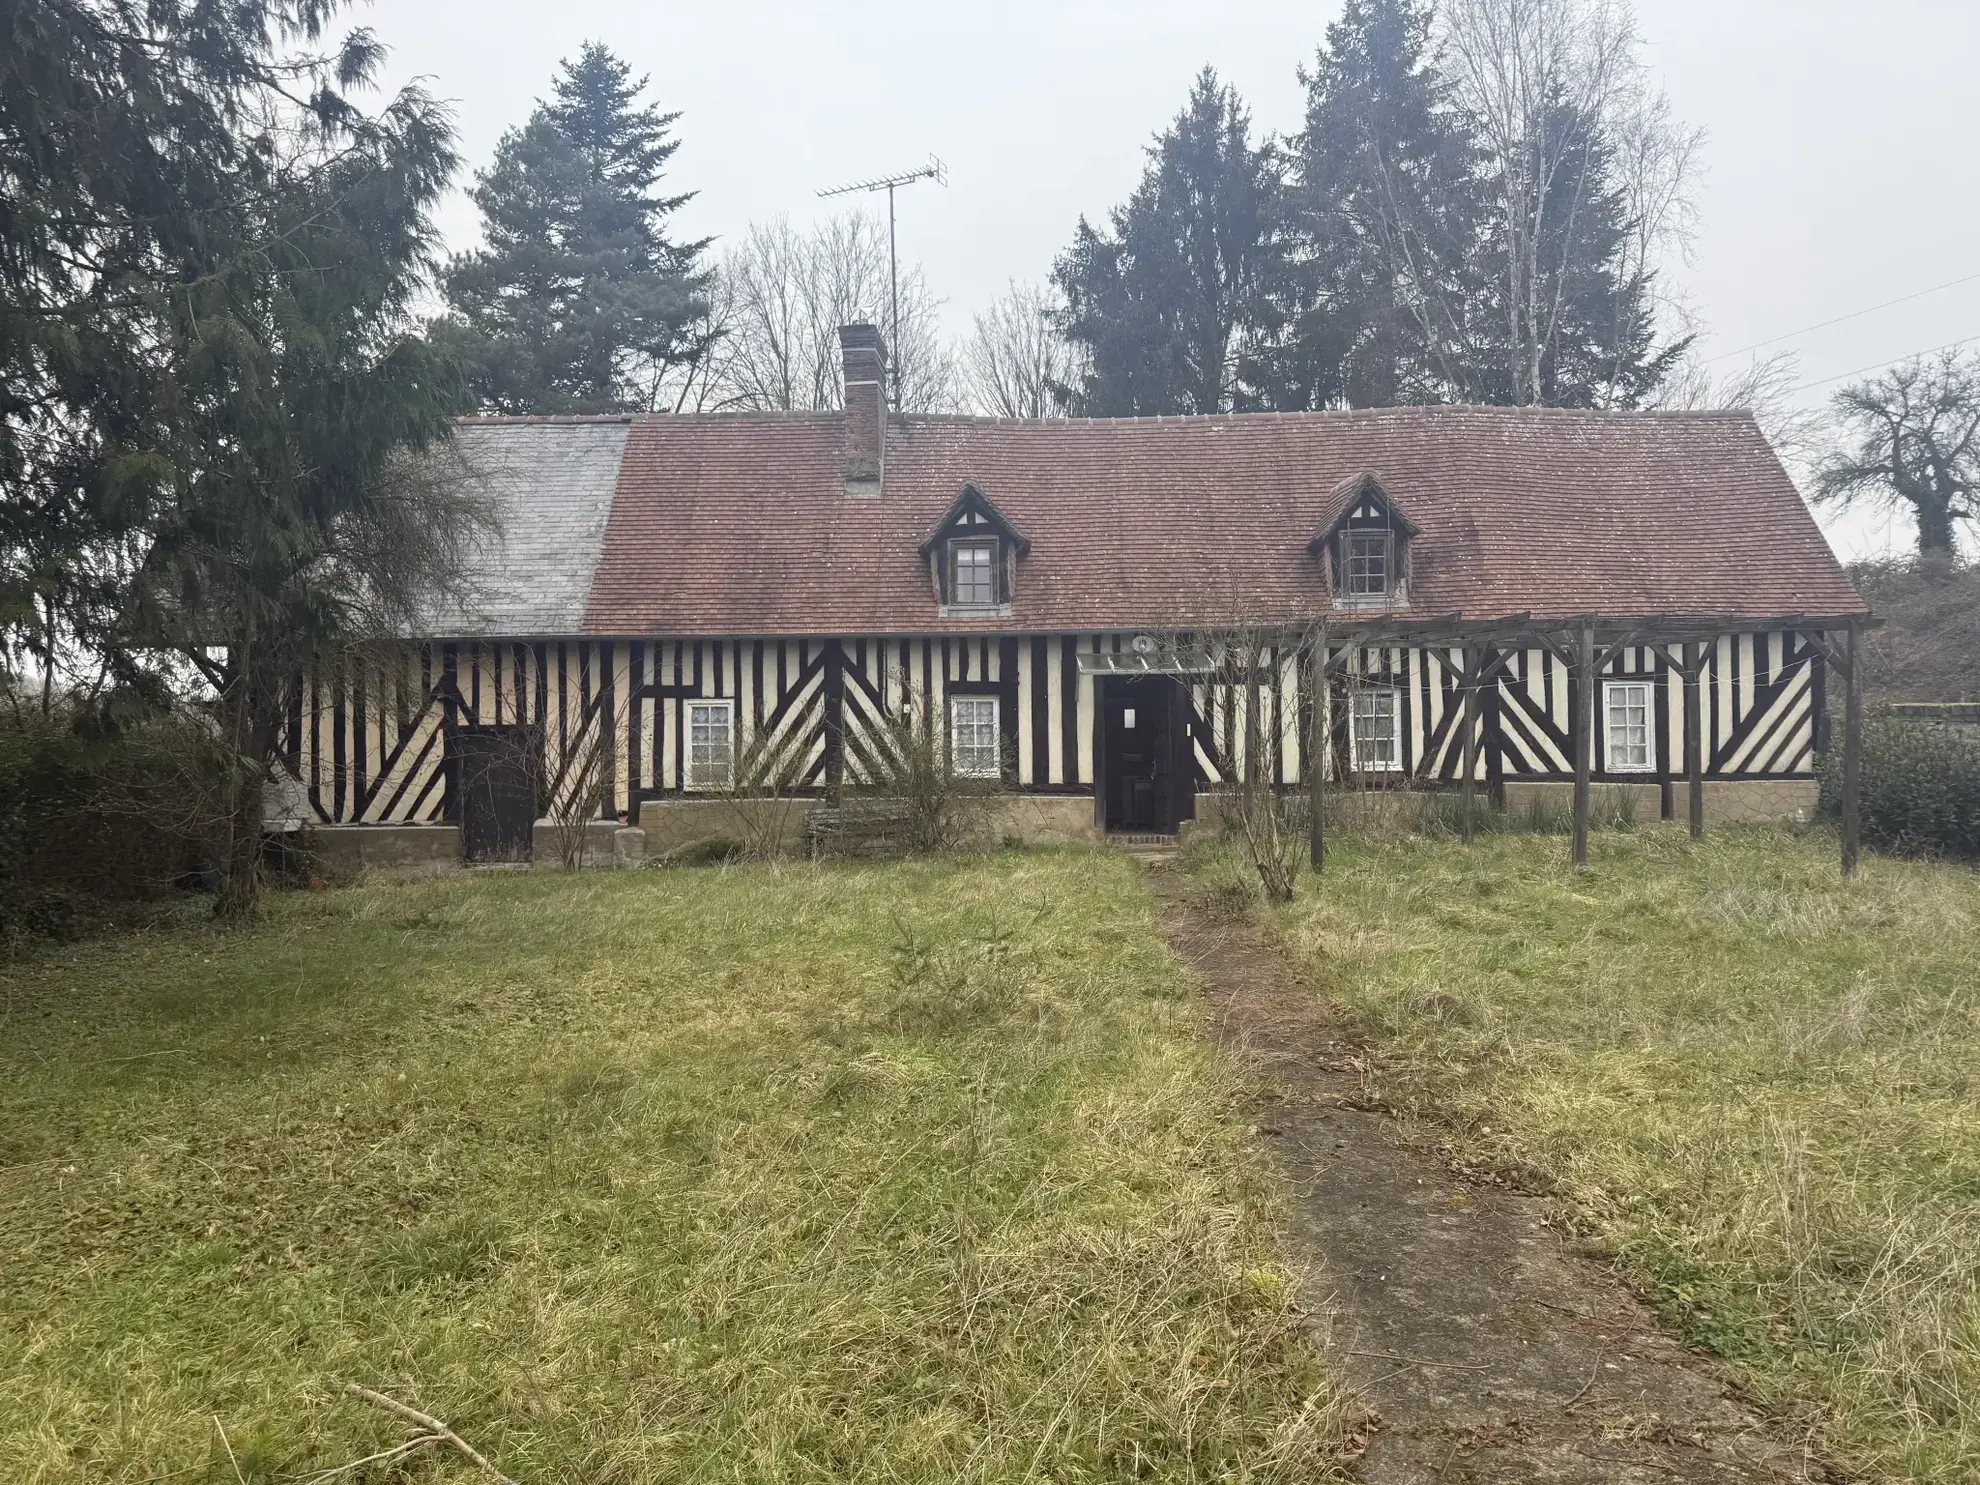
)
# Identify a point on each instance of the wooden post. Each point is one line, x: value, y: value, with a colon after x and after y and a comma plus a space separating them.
x: 1584, y: 739
x: 1694, y: 722
x: 1468, y: 788
x: 1319, y: 744
x: 1852, y: 753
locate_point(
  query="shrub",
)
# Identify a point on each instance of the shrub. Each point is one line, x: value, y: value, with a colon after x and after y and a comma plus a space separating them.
x: 904, y: 795
x: 1921, y: 787
x: 92, y: 814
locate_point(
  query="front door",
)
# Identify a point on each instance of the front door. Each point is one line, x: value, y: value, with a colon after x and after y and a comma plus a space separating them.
x: 496, y: 769
x: 1145, y: 774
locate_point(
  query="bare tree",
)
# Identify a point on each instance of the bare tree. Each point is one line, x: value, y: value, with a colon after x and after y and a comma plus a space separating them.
x: 1549, y: 86
x: 761, y: 797
x: 1271, y: 820
x: 573, y: 782
x: 1015, y: 356
x: 1764, y: 387
x: 1915, y: 446
x: 1656, y: 160
x: 785, y: 294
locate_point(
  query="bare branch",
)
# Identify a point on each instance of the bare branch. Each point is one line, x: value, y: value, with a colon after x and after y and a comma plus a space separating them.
x: 427, y: 1421
x: 1015, y: 356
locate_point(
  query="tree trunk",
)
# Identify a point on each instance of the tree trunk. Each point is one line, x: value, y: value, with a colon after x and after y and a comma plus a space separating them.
x: 1935, y: 528
x: 240, y: 864
x: 251, y: 718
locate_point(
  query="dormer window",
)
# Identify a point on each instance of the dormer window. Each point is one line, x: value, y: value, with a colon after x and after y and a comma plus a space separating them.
x: 972, y: 557
x: 1365, y: 563
x: 973, y: 573
x: 1363, y: 545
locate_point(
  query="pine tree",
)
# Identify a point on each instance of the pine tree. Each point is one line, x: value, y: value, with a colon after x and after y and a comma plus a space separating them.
x: 1379, y: 300
x: 1166, y: 303
x: 580, y: 301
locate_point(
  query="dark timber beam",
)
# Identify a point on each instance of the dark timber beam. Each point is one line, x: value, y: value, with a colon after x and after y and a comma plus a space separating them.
x: 1468, y: 788
x: 1694, y: 760
x: 1584, y: 739
x: 1318, y: 745
x: 1852, y: 751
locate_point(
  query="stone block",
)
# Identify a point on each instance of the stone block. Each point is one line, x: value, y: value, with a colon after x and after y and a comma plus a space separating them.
x: 673, y: 824
x: 596, y: 850
x: 1754, y: 801
x: 1644, y: 802
x: 1037, y: 820
x: 349, y: 849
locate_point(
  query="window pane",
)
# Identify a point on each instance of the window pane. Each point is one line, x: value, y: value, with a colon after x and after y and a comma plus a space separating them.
x: 973, y: 742
x: 1372, y: 728
x: 972, y: 573
x: 1367, y: 564
x: 711, y: 749
x: 1629, y: 722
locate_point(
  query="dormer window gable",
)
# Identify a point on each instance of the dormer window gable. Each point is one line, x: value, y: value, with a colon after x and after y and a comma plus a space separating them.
x: 1363, y: 545
x: 972, y: 558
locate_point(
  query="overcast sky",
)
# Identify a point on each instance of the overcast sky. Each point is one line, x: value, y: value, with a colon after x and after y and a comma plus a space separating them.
x: 1841, y: 168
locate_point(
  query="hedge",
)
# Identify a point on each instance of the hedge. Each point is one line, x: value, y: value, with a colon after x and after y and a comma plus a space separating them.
x: 1921, y: 787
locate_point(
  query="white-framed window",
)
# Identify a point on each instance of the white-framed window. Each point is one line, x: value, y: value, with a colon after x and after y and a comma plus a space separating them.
x: 973, y: 574
x: 1365, y: 563
x: 1374, y: 736
x: 974, y: 747
x: 711, y: 744
x: 1630, y: 714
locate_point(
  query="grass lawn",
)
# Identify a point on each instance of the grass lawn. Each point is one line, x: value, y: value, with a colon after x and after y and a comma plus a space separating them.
x: 1759, y: 1085
x: 914, y: 1172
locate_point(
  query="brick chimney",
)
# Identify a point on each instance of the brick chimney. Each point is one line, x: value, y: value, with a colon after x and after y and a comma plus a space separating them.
x: 865, y: 358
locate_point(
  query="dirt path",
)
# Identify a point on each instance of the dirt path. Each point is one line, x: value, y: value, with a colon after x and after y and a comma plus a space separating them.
x: 1485, y: 1348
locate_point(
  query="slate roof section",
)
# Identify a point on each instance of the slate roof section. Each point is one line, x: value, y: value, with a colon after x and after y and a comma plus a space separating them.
x: 551, y: 481
x: 738, y: 525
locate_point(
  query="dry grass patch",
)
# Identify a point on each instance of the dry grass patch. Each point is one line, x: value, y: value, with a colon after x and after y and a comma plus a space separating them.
x: 1756, y: 1082
x: 905, y: 1172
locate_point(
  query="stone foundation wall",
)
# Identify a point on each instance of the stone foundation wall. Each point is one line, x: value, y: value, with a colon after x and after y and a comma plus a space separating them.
x: 1645, y: 801
x: 597, y: 851
x: 349, y: 849
x: 669, y: 825
x: 1039, y: 820
x: 1727, y: 801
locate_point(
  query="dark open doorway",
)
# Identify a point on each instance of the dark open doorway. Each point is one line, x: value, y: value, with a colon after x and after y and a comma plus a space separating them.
x: 1147, y: 764
x: 495, y: 770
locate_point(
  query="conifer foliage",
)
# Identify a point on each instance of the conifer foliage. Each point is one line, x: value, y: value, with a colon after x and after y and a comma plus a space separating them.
x: 1473, y: 211
x: 580, y: 301
x: 209, y: 365
x: 1165, y: 301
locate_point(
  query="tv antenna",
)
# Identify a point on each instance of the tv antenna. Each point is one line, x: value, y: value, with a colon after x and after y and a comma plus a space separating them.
x: 934, y: 170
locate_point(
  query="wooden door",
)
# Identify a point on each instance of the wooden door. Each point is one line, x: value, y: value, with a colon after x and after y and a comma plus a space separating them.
x: 496, y: 771
x: 1145, y: 789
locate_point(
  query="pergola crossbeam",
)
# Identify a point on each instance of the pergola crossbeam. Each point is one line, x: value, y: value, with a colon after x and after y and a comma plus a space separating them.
x: 1587, y: 645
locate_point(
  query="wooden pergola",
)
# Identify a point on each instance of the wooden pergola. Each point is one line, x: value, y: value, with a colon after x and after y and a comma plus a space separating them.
x: 1586, y: 645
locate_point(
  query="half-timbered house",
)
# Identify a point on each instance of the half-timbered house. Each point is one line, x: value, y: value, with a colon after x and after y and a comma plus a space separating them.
x: 1051, y: 591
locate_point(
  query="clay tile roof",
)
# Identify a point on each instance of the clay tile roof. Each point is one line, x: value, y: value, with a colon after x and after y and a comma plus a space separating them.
x: 736, y: 525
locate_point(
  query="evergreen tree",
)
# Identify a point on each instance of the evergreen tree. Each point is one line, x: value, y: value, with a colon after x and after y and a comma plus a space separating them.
x: 1379, y: 301
x: 580, y: 301
x: 1471, y: 212
x: 209, y: 369
x: 1166, y: 305
x: 1596, y: 331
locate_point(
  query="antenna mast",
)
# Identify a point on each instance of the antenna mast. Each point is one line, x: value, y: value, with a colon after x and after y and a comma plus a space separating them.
x: 934, y: 170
